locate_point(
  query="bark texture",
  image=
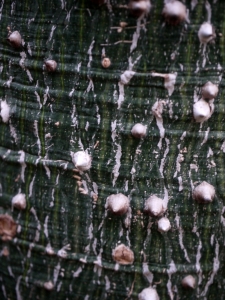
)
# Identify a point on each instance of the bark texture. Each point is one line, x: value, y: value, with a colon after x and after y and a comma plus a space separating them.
x: 65, y: 237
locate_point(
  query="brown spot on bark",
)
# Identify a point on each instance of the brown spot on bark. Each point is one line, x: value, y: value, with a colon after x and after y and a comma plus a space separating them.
x: 8, y: 227
x: 123, y: 255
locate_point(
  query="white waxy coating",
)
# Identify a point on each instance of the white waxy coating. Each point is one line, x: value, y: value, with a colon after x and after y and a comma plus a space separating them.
x: 175, y: 12
x: 138, y: 130
x: 15, y: 39
x: 19, y: 201
x: 81, y: 160
x: 209, y: 91
x: 164, y: 224
x: 204, y: 192
x: 206, y: 33
x: 50, y: 65
x: 123, y: 255
x: 126, y: 76
x: 189, y: 282
x: 117, y: 204
x: 201, y: 111
x: 154, y: 206
x: 139, y: 8
x: 148, y: 294
x: 5, y: 111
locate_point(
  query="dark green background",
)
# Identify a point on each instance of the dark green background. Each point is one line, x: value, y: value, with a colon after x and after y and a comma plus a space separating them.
x: 52, y: 192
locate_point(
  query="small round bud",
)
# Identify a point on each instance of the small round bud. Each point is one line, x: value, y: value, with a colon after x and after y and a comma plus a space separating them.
x: 81, y: 160
x: 154, y: 206
x: 19, y: 201
x: 189, y: 282
x: 49, y: 285
x: 148, y: 294
x: 138, y: 131
x: 201, y: 111
x: 50, y: 65
x: 123, y: 255
x: 174, y: 12
x: 106, y: 62
x: 15, y: 39
x: 204, y: 193
x: 206, y: 33
x: 139, y: 8
x: 164, y: 224
x: 8, y: 227
x: 117, y: 204
x: 209, y: 91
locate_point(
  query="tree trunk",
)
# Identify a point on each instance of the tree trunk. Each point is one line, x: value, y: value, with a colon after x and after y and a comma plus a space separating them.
x: 65, y: 238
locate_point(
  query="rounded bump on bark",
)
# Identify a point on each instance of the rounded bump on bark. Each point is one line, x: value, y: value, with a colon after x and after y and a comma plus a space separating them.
x: 118, y: 204
x: 201, y: 111
x: 174, y: 12
x: 106, y: 62
x: 48, y: 285
x: 209, y: 91
x: 204, y: 192
x: 148, y: 294
x: 154, y: 206
x: 19, y: 201
x: 81, y: 160
x: 15, y: 39
x: 50, y: 65
x: 164, y: 224
x: 139, y: 8
x: 188, y: 282
x: 123, y: 255
x: 206, y: 33
x: 138, y: 131
x: 8, y: 227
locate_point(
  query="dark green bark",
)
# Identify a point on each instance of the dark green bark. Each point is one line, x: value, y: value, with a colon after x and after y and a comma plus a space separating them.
x: 79, y: 105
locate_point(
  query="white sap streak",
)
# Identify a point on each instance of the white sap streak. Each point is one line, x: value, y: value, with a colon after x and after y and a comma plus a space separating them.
x: 136, y: 36
x: 48, y: 172
x: 18, y: 295
x: 31, y: 186
x: 206, y: 136
x: 197, y: 264
x: 5, y: 111
x: 193, y: 3
x: 29, y: 49
x: 223, y: 147
x: 23, y: 164
x: 1, y: 8
x: 77, y: 273
x: 118, y: 164
x: 0, y: 190
x: 166, y: 198
x: 90, y: 86
x: 98, y: 115
x: 46, y: 226
x: 177, y: 219
x: 29, y: 75
x: 169, y: 81
x: 157, y: 110
x: 179, y: 159
x: 222, y: 219
x: 148, y: 274
x: 46, y: 95
x: 56, y: 273
x: 59, y: 286
x: 37, y: 234
x: 180, y: 183
x: 90, y: 53
x: 68, y: 15
x: 171, y: 271
x: 10, y: 272
x: 8, y: 82
x: 3, y: 290
x: 71, y: 93
x: 38, y: 99
x: 107, y: 283
x: 121, y: 94
x: 51, y: 33
x: 37, y: 135
x: 87, y: 125
x: 22, y: 64
x: 216, y: 265
x: 162, y: 164
x: 78, y: 67
x: 209, y: 11
x: 113, y: 127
